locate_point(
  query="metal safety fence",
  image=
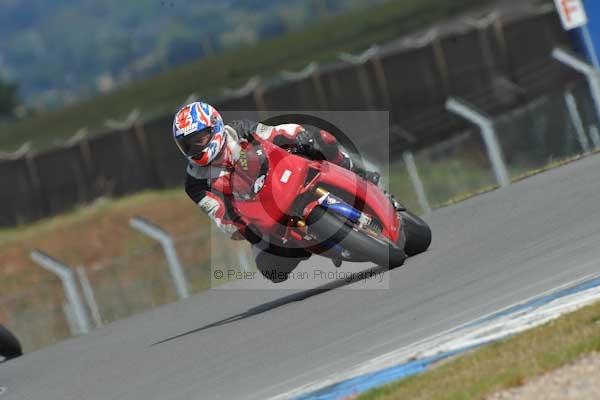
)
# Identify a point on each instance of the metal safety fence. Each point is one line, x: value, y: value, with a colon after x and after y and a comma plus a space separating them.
x: 113, y: 289
x: 551, y: 128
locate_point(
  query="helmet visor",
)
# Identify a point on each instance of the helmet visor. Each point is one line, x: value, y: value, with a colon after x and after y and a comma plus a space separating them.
x: 194, y: 144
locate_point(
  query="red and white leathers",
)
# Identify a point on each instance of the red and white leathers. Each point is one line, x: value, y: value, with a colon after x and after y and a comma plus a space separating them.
x: 208, y: 186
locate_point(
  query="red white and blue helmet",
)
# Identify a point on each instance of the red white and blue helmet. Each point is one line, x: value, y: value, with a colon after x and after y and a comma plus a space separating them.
x: 199, y: 132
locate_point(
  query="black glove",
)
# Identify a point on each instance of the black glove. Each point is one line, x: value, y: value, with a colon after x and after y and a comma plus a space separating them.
x: 370, y: 176
x: 312, y: 145
x: 305, y: 140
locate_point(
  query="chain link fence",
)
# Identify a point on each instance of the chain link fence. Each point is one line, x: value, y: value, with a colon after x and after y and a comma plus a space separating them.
x: 532, y: 137
x: 36, y: 315
x: 120, y: 287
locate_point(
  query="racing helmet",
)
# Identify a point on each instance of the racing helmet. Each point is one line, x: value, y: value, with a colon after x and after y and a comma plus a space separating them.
x: 199, y: 132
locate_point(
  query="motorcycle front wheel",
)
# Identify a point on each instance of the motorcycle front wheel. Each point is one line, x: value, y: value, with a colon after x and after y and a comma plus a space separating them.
x: 329, y: 229
x: 417, y: 233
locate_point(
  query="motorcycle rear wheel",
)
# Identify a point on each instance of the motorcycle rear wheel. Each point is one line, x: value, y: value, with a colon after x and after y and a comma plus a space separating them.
x: 329, y: 228
x: 417, y: 232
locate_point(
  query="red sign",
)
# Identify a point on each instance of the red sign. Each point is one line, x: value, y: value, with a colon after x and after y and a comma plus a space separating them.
x: 572, y: 13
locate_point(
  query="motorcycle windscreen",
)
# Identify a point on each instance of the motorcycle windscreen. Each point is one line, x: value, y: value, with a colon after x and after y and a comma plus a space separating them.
x: 265, y: 184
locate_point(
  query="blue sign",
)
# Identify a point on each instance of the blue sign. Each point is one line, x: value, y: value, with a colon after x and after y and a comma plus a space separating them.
x: 586, y: 40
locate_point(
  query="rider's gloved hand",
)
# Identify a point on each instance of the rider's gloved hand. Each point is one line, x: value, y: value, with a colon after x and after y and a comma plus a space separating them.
x: 317, y: 145
x: 305, y: 142
x: 372, y: 176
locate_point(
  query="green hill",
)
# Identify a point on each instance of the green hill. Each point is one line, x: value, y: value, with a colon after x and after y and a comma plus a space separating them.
x: 66, y: 50
x: 162, y: 94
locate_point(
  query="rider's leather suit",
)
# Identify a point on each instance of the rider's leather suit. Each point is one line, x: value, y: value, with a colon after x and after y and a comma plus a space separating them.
x: 209, y: 186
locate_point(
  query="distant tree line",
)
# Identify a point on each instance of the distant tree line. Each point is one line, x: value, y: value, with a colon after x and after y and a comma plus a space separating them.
x: 63, y: 51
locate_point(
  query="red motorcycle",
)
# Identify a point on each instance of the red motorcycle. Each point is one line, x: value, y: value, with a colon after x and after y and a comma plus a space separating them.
x: 321, y: 208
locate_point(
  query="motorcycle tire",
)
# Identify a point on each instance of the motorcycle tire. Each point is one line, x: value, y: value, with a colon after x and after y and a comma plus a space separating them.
x: 417, y: 233
x: 329, y: 228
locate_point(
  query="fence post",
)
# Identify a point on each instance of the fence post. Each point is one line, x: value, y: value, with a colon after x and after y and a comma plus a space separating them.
x: 85, y: 151
x: 36, y: 185
x: 311, y: 71
x: 71, y: 320
x: 68, y: 280
x: 359, y: 61
x: 259, y: 99
x: 243, y: 258
x: 142, y: 139
x: 382, y: 82
x: 595, y: 135
x: 168, y: 247
x: 577, y: 122
x: 591, y: 73
x: 589, y: 44
x: 411, y: 166
x: 441, y: 63
x: 88, y: 293
x: 489, y: 137
x: 500, y: 39
x: 253, y: 87
x: 315, y: 77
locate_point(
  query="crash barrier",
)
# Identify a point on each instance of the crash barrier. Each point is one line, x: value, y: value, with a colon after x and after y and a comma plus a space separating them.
x: 533, y: 136
x: 496, y: 63
x: 168, y: 247
x: 75, y: 305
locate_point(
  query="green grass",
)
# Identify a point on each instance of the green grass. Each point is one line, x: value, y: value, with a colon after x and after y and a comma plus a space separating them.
x: 507, y: 363
x: 504, y: 364
x: 161, y: 95
x: 86, y: 213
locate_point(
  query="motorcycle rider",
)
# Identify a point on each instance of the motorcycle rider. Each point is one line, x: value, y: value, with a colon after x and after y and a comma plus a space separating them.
x: 213, y: 148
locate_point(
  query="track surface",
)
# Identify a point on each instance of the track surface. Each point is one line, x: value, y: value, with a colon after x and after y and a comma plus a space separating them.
x: 488, y: 252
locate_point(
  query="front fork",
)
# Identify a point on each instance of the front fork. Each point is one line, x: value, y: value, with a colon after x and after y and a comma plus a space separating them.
x: 336, y: 205
x: 333, y: 203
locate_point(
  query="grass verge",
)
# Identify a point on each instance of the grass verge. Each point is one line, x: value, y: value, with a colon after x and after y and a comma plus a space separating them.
x: 126, y: 269
x: 517, y: 176
x: 507, y: 363
x: 503, y: 364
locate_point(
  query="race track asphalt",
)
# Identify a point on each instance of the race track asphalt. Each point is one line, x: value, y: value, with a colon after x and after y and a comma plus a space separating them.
x: 488, y: 252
